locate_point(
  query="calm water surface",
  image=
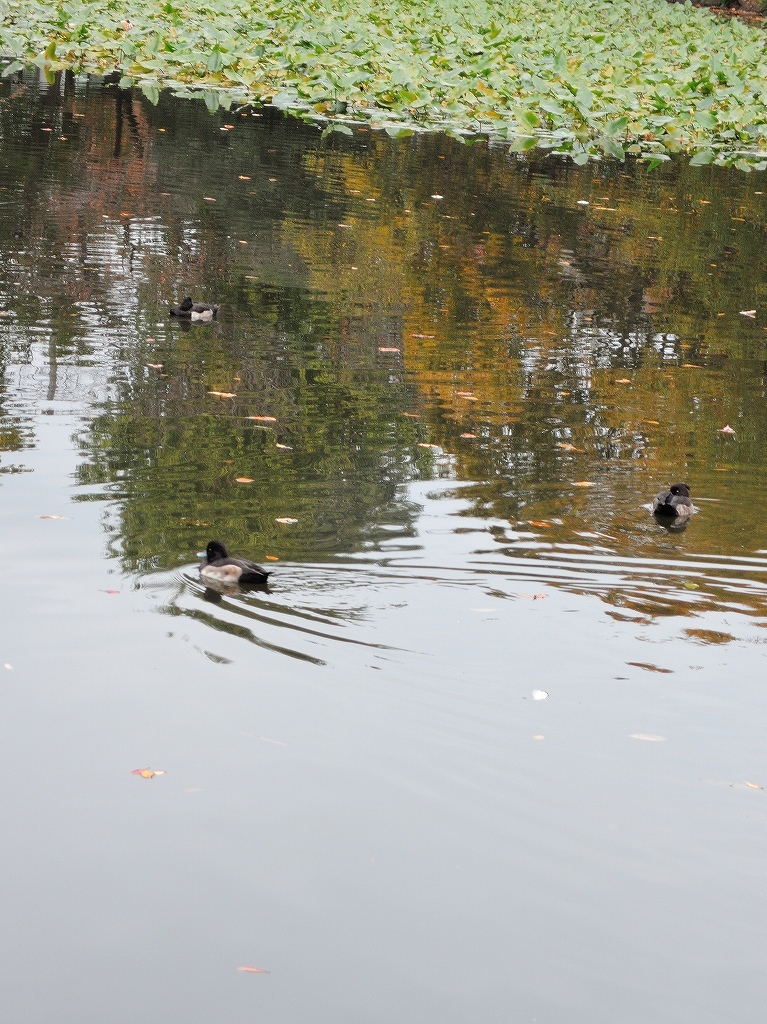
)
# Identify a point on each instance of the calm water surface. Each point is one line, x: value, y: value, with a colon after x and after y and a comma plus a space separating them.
x: 469, y: 374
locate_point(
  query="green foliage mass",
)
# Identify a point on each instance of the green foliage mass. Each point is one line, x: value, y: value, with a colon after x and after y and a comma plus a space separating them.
x: 584, y: 77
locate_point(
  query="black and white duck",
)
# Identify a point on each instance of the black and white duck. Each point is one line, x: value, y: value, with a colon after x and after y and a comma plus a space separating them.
x: 188, y: 310
x: 220, y: 567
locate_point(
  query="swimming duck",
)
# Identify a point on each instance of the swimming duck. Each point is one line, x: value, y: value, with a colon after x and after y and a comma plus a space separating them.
x: 219, y: 566
x: 193, y: 310
x: 673, y: 502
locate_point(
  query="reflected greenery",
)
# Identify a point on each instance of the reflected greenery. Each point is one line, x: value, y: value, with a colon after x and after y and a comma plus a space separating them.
x: 402, y: 309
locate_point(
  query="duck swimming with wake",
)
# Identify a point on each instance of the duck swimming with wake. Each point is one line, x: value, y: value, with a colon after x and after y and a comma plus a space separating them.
x: 220, y: 567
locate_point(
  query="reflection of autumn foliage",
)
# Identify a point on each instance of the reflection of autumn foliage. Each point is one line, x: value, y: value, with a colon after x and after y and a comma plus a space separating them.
x: 541, y: 325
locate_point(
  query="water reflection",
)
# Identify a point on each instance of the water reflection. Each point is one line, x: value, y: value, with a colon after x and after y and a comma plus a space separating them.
x: 523, y: 326
x: 442, y: 387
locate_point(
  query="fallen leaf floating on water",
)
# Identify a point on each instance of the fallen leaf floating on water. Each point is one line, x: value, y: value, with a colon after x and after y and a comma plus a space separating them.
x: 748, y: 312
x: 583, y: 483
x: 437, y: 196
x: 464, y: 394
x: 244, y: 480
x: 386, y: 348
x: 534, y: 597
x: 433, y: 447
x: 263, y: 419
x: 244, y: 177
x: 412, y: 415
x: 753, y: 785
x: 272, y: 558
x: 650, y: 667
x: 691, y: 586
x: 110, y: 591
x: 155, y: 366
x: 147, y: 773
x: 539, y: 695
x: 209, y: 199
x: 52, y: 517
x: 223, y: 394
x: 726, y: 429
x: 568, y: 447
x: 623, y: 380
x: 288, y: 520
x: 648, y: 737
x: 254, y: 970
x: 421, y: 335
x: 284, y: 447
x: 470, y: 437
x: 540, y: 522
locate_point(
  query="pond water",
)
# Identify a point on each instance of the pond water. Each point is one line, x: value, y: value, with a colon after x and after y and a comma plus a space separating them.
x: 490, y: 746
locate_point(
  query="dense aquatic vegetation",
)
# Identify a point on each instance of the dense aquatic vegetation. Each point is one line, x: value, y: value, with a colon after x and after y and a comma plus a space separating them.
x: 582, y: 77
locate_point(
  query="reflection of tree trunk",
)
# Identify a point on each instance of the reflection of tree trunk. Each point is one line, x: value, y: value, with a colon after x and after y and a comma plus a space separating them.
x: 120, y: 94
x: 125, y: 109
x: 53, y: 367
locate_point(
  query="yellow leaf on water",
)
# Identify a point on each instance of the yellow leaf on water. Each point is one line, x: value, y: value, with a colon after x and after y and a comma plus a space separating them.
x: 753, y: 785
x: 244, y: 479
x: 254, y: 970
x: 434, y: 447
x: 568, y: 447
x: 623, y: 380
x: 540, y: 522
x: 146, y: 773
x: 583, y: 483
x: 286, y: 519
x: 272, y: 558
x: 386, y: 348
x: 223, y: 394
x: 470, y: 437
x: 263, y: 419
